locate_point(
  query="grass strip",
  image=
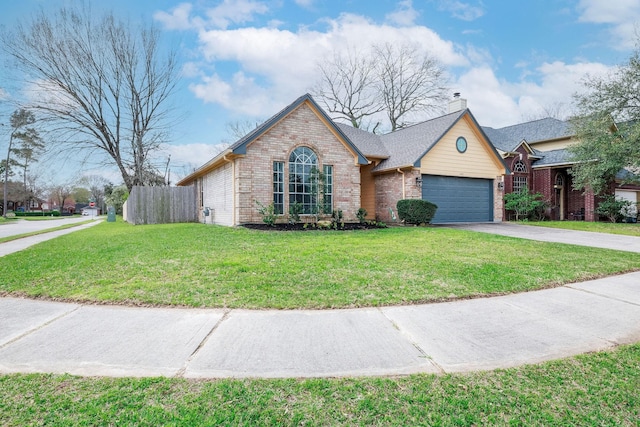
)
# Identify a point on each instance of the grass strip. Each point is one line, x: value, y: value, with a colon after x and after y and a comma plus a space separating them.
x: 599, y: 227
x: 35, y: 233
x: 594, y: 389
x: 208, y: 266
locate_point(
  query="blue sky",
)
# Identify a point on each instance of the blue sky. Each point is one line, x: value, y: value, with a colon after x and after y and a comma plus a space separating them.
x: 243, y: 60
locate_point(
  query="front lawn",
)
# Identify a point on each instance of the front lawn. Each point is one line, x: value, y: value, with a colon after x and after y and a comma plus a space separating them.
x: 209, y: 266
x: 594, y: 389
x: 600, y: 227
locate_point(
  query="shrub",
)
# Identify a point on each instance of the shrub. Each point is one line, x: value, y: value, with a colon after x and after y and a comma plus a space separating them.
x: 268, y: 213
x: 361, y: 215
x: 337, y: 219
x: 295, y: 209
x: 525, y: 205
x: 55, y: 213
x: 416, y: 211
x: 614, y: 209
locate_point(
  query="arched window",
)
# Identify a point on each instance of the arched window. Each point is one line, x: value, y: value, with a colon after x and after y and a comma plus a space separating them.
x: 303, y: 163
x: 519, y: 167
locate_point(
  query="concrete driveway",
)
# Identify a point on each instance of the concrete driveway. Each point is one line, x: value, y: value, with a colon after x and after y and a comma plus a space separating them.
x: 547, y: 234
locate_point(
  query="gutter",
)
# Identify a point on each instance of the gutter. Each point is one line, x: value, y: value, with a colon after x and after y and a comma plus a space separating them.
x: 403, y: 183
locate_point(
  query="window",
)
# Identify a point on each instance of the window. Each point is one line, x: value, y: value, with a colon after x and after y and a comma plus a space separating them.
x: 519, y: 183
x: 201, y: 185
x: 278, y: 187
x: 328, y: 188
x: 519, y: 167
x: 302, y: 162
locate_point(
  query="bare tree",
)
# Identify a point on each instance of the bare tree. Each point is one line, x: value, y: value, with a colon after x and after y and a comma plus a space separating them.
x: 105, y: 86
x: 60, y: 194
x: 347, y: 87
x: 398, y: 81
x: 96, y: 185
x: 240, y: 128
x: 409, y: 83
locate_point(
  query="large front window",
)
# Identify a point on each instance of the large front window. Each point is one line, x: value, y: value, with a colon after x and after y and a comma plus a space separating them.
x: 303, y: 167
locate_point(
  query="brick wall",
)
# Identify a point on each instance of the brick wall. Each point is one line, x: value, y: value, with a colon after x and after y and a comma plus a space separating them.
x: 389, y: 191
x: 254, y: 171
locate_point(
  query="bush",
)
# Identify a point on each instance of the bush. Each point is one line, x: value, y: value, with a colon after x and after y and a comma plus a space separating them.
x: 29, y: 214
x: 525, y: 205
x: 614, y: 209
x: 55, y: 213
x: 416, y: 211
x: 361, y: 215
x: 268, y: 213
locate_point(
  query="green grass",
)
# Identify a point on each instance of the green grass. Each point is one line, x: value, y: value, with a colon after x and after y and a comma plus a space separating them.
x: 35, y: 233
x: 598, y: 389
x: 208, y: 266
x: 600, y: 227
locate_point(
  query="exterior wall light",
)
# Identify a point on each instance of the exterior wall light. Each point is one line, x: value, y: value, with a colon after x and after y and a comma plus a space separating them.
x: 419, y: 181
x: 501, y: 186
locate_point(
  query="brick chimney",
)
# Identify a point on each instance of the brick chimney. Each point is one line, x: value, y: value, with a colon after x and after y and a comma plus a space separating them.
x: 457, y: 103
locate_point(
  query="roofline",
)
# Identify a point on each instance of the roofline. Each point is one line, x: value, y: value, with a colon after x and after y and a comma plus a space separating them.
x: 241, y: 148
x: 553, y: 165
x: 211, y: 164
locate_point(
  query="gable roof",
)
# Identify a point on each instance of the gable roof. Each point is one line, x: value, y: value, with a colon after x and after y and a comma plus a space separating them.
x: 240, y: 146
x: 553, y: 158
x: 407, y: 146
x: 510, y: 137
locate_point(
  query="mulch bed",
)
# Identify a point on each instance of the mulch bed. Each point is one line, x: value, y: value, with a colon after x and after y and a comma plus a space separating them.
x: 348, y: 226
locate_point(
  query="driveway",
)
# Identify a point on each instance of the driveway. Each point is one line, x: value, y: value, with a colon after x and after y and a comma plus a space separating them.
x: 557, y: 235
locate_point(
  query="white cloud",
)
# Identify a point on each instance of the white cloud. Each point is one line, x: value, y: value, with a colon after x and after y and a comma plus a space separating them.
x: 278, y: 65
x: 235, y: 12
x: 462, y: 10
x: 405, y: 15
x: 500, y: 103
x: 178, y: 19
x: 622, y: 16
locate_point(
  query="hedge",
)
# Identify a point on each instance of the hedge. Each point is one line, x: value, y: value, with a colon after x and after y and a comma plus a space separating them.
x: 416, y: 211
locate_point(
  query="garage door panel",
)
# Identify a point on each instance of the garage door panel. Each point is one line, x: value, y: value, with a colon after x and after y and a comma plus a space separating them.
x: 459, y: 199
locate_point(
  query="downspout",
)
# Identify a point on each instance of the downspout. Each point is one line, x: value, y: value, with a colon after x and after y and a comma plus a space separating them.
x: 233, y: 187
x: 403, y: 184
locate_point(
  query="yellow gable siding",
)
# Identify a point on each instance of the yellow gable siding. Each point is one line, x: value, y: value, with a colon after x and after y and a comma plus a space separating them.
x: 552, y: 145
x: 479, y: 161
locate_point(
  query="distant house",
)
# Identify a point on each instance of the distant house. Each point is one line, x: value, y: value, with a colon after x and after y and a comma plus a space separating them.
x: 448, y: 160
x: 537, y: 154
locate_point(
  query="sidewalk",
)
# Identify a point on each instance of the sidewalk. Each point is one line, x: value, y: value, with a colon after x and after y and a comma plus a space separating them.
x: 12, y: 246
x: 478, y: 334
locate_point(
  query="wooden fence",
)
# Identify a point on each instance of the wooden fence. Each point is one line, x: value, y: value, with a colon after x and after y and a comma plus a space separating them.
x: 161, y: 205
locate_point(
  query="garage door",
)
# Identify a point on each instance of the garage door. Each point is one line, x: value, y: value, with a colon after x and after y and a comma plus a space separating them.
x: 459, y: 199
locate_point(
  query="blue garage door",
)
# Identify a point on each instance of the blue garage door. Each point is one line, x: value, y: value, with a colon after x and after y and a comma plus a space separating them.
x: 459, y: 199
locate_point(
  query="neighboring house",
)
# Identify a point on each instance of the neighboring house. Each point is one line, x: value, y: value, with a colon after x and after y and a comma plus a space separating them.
x: 448, y: 160
x: 537, y: 154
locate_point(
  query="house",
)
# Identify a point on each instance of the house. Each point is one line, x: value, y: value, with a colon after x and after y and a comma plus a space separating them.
x: 537, y: 154
x: 448, y: 160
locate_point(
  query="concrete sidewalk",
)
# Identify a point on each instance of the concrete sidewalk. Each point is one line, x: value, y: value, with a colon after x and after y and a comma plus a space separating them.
x: 486, y: 333
x: 12, y: 246
x: 557, y: 235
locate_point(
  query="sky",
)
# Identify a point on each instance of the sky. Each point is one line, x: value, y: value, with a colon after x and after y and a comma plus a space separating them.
x: 244, y: 60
